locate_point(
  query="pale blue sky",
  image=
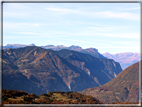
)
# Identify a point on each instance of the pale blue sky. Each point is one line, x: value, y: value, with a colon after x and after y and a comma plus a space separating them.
x: 108, y: 27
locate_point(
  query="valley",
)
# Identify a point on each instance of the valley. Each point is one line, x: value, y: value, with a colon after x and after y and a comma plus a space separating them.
x: 123, y: 88
x: 37, y: 70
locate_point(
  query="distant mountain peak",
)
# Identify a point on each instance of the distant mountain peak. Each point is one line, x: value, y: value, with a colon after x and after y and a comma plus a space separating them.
x: 49, y: 45
x: 15, y: 45
x: 106, y: 53
x: 93, y: 49
x: 125, y: 59
x: 74, y: 46
x: 60, y: 45
x: 32, y: 44
x: 8, y: 44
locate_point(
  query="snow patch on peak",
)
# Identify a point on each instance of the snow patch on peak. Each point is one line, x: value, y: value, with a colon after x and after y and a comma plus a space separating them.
x: 32, y: 44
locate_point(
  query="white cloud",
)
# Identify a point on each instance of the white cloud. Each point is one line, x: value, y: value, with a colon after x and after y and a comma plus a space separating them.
x: 136, y: 8
x: 102, y: 28
x: 125, y: 35
x: 121, y: 42
x: 122, y: 15
x: 16, y: 5
x: 119, y: 49
x: 27, y: 33
x: 91, y: 34
x: 74, y: 40
x: 19, y: 25
x: 54, y: 34
x: 14, y: 14
x: 101, y: 14
x: 62, y: 11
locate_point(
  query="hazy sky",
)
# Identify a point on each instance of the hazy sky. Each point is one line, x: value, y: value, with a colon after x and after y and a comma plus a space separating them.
x: 108, y: 27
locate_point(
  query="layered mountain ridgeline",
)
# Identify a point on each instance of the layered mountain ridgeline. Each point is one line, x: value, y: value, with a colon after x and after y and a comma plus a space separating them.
x: 125, y: 59
x: 123, y: 88
x: 92, y: 51
x: 16, y: 46
x: 22, y: 97
x: 41, y: 70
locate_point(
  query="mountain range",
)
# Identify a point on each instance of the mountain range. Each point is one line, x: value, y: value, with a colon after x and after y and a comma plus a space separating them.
x: 125, y: 59
x: 123, y: 88
x: 94, y: 52
x: 38, y: 70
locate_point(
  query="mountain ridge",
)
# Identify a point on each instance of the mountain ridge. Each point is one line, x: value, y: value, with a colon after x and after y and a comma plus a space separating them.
x: 125, y: 59
x: 92, y: 51
x: 49, y: 69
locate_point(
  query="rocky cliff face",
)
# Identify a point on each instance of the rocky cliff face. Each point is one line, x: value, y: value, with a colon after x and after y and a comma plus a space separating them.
x: 95, y: 68
x: 123, y: 88
x: 49, y: 70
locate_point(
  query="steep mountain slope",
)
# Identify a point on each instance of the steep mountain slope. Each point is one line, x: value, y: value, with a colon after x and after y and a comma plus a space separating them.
x: 55, y: 70
x: 123, y: 88
x: 94, y: 67
x: 17, y: 81
x: 43, y: 65
x: 125, y: 59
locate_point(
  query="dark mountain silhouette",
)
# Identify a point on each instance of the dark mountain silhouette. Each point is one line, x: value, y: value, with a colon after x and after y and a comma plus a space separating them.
x: 49, y: 70
x: 125, y: 59
x: 123, y: 88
